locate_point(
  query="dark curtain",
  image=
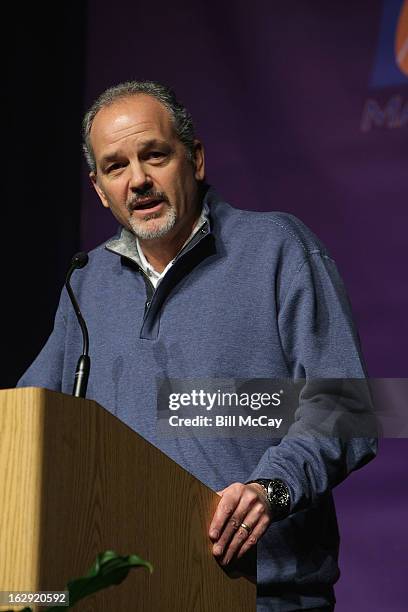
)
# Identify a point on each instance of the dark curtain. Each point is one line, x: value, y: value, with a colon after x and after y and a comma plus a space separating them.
x: 43, y: 82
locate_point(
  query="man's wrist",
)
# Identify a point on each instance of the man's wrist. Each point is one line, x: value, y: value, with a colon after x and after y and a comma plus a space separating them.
x: 277, y: 495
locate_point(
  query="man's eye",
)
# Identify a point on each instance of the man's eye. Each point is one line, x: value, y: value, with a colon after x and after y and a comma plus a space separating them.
x: 156, y: 154
x: 114, y: 167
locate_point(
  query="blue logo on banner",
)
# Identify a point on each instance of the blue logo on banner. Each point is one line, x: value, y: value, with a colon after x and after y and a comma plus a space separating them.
x: 391, y: 61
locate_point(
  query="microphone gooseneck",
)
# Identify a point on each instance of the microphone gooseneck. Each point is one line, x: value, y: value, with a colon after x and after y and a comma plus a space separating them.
x: 84, y: 363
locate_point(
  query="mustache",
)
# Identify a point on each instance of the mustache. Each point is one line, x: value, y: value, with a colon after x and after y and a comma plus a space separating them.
x: 150, y: 193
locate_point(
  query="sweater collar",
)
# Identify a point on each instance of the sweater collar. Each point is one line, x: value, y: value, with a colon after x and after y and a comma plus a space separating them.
x: 125, y: 242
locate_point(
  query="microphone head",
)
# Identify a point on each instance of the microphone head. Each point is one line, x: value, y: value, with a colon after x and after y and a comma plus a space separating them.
x: 79, y: 260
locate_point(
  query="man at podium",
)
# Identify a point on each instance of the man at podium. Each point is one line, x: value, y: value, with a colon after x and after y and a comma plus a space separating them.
x: 192, y: 288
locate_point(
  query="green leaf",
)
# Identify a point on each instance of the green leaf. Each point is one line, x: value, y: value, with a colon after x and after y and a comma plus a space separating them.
x: 108, y: 569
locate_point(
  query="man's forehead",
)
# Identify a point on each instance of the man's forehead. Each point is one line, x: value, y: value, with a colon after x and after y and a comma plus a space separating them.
x: 133, y: 114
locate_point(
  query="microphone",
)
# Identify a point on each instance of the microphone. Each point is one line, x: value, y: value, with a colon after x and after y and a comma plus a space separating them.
x: 84, y: 363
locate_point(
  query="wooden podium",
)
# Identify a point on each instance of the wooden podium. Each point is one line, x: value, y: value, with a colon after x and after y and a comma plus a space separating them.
x: 76, y: 481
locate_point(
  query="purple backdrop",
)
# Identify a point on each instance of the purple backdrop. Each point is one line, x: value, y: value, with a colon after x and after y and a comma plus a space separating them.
x: 302, y: 108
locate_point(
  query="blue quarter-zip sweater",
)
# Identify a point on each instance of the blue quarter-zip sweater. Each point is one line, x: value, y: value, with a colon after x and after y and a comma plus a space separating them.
x: 253, y: 295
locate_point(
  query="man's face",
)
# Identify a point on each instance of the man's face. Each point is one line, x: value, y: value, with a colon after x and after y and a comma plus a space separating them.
x: 142, y: 171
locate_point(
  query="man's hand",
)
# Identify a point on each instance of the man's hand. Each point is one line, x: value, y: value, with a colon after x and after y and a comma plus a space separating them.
x: 239, y: 504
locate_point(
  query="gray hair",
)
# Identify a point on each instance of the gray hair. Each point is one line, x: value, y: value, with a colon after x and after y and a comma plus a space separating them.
x: 181, y: 118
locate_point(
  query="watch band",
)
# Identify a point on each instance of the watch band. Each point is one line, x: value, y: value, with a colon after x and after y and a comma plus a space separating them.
x: 277, y: 496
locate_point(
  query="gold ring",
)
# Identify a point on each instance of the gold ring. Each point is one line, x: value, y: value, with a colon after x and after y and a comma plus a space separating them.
x: 246, y: 527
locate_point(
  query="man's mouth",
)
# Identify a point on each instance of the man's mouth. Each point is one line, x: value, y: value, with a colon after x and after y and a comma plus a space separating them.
x: 146, y: 203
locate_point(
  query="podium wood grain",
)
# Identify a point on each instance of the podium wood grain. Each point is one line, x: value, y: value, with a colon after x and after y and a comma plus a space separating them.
x: 77, y: 481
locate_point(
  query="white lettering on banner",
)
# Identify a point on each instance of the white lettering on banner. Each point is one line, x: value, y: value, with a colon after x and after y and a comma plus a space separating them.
x: 261, y: 421
x: 225, y: 421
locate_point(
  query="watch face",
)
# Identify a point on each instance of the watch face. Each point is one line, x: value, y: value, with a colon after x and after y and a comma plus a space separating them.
x: 278, y: 493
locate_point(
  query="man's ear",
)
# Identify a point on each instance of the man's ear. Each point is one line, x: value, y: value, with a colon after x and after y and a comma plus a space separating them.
x: 99, y: 191
x: 199, y: 161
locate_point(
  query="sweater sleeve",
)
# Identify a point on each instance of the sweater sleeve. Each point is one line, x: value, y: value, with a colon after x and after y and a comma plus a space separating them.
x: 319, y: 341
x: 47, y: 369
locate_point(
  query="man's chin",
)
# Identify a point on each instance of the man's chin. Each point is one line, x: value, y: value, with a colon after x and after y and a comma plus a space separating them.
x: 152, y: 226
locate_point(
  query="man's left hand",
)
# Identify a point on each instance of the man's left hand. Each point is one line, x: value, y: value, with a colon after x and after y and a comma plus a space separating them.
x: 239, y: 504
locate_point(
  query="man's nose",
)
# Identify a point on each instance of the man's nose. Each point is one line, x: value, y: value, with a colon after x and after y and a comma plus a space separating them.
x: 139, y: 177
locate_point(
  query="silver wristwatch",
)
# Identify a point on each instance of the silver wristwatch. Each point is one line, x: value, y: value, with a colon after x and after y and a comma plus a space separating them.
x: 277, y: 495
